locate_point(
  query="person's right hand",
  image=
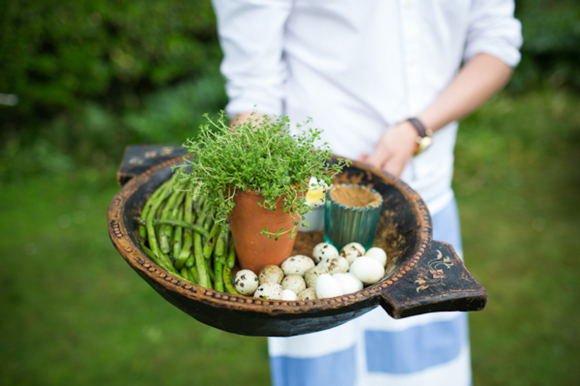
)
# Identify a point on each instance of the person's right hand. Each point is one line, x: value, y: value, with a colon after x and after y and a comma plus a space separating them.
x: 241, y: 118
x: 395, y: 148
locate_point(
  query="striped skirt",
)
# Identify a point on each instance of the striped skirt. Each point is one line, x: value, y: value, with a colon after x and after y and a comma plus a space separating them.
x: 375, y: 349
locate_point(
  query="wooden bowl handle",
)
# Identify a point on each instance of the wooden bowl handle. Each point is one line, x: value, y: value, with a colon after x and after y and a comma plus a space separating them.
x: 138, y: 159
x: 435, y: 280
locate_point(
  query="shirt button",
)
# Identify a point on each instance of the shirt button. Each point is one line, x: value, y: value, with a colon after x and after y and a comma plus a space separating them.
x: 407, y: 3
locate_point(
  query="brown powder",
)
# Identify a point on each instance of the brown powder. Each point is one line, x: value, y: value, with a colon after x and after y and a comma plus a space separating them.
x: 355, y: 195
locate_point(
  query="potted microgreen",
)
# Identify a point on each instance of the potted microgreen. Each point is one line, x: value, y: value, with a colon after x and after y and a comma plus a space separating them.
x: 255, y: 176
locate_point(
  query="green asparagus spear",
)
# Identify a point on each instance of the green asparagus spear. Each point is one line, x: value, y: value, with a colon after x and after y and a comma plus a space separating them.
x: 211, y: 241
x: 178, y: 223
x: 185, y: 274
x: 178, y: 234
x: 231, y: 260
x: 166, y: 213
x: 220, y: 258
x: 151, y: 235
x: 194, y: 275
x: 147, y: 208
x: 227, y: 276
x: 188, y: 234
x: 200, y: 261
x: 150, y: 254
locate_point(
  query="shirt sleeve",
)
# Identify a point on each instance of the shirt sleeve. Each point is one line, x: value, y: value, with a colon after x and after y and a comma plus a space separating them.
x: 494, y: 30
x: 251, y: 34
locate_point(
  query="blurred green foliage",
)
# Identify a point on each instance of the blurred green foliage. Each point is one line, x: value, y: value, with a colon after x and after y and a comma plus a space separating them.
x: 91, y: 77
x: 74, y: 313
x: 551, y: 49
x: 55, y: 54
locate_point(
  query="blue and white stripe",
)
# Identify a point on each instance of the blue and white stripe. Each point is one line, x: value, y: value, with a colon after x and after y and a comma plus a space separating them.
x: 375, y: 349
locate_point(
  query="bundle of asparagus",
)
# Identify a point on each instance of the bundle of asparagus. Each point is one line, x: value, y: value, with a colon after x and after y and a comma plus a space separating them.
x: 178, y: 233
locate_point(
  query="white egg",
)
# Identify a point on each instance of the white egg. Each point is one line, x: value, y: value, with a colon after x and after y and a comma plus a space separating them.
x: 367, y: 270
x: 348, y: 282
x: 288, y: 295
x: 378, y: 254
x: 323, y: 250
x: 327, y: 287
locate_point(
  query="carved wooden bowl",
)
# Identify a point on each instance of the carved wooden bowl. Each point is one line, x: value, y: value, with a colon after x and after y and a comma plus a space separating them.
x: 423, y: 275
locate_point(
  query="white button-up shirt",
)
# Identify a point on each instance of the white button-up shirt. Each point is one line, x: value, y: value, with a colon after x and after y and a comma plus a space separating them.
x: 357, y: 67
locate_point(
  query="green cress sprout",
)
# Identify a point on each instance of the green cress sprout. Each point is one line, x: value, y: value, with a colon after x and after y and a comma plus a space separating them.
x: 261, y: 155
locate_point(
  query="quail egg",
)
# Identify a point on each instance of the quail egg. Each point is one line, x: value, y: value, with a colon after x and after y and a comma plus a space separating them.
x: 307, y: 294
x: 297, y: 265
x: 312, y: 275
x: 351, y: 251
x: 245, y: 282
x: 323, y: 250
x: 268, y: 291
x: 270, y: 274
x: 294, y: 283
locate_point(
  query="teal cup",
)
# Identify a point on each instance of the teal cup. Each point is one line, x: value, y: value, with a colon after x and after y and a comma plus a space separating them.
x: 348, y: 218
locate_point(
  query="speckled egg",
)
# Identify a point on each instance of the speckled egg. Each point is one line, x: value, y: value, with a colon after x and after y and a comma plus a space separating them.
x: 294, y: 283
x: 307, y: 294
x: 335, y: 264
x: 312, y: 275
x: 323, y: 250
x: 269, y: 291
x: 351, y: 251
x: 271, y: 274
x: 246, y: 282
x: 297, y: 265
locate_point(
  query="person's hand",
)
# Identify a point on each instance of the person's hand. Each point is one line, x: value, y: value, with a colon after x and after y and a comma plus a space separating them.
x: 241, y: 118
x: 395, y: 148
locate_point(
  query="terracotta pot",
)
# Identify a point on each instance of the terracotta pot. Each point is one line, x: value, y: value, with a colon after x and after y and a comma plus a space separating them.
x: 253, y: 249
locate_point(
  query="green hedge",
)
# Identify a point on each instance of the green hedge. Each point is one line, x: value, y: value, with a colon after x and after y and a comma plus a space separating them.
x: 92, y: 76
x: 551, y: 49
x: 57, y: 54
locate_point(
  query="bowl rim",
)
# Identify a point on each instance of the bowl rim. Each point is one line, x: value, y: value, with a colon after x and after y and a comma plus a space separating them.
x: 139, y: 261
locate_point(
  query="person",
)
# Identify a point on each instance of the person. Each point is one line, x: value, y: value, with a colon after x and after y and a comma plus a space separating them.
x: 360, y: 70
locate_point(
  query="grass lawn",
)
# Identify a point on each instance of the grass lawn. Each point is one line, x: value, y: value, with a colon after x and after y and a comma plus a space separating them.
x: 73, y: 312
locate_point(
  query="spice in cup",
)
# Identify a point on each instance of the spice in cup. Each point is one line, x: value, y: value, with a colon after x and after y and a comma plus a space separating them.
x: 351, y: 214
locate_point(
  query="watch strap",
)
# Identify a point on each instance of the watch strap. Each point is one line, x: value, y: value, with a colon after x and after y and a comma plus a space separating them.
x: 419, y: 126
x: 424, y: 138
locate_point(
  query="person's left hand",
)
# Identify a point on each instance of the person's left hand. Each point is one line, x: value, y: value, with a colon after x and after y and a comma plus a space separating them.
x: 395, y: 148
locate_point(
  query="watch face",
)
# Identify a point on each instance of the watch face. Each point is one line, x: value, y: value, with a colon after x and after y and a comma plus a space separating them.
x: 423, y: 143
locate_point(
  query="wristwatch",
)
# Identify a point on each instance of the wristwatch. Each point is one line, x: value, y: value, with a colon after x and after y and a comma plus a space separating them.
x: 425, y: 135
